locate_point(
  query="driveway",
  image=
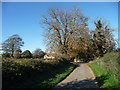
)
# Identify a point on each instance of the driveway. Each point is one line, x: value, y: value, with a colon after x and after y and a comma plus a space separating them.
x: 81, y: 77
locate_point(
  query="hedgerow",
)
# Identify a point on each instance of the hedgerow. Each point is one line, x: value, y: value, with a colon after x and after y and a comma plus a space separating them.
x: 19, y: 70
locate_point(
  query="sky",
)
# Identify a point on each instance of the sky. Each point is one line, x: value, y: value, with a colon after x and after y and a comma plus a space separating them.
x: 23, y: 18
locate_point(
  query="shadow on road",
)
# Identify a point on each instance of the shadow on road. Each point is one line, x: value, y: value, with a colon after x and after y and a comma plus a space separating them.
x: 86, y: 83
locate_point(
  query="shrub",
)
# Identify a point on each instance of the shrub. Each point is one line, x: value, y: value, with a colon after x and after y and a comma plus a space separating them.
x: 27, y: 54
x: 4, y: 55
x: 18, y: 70
x: 17, y: 54
x: 110, y: 63
x: 38, y: 53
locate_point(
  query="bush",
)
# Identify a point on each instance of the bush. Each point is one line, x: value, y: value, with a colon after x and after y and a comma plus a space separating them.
x: 4, y: 55
x: 110, y: 63
x: 38, y: 53
x: 63, y: 58
x: 17, y: 54
x: 19, y: 70
x: 27, y: 54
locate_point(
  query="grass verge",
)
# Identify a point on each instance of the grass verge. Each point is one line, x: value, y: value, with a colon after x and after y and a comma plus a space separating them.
x: 51, y: 79
x: 104, y: 79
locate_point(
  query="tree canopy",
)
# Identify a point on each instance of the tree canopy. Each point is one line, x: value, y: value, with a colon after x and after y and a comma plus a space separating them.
x: 12, y: 44
x: 18, y: 53
x: 63, y: 26
x: 67, y: 32
x: 26, y: 54
x: 38, y: 53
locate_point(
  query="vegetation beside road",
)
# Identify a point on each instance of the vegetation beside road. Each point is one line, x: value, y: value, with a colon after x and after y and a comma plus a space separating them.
x: 68, y: 38
x: 59, y: 75
x: 106, y: 70
x: 20, y: 72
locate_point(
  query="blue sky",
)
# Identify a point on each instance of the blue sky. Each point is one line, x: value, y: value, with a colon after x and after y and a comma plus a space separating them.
x: 23, y: 18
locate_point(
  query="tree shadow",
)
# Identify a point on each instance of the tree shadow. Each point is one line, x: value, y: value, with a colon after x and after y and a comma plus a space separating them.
x: 101, y: 79
x: 30, y: 77
x: 76, y: 84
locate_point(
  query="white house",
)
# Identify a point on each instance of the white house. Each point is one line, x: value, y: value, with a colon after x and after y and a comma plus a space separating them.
x: 49, y: 56
x: 75, y: 60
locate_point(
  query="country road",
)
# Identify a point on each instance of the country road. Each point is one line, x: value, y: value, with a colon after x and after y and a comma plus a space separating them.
x: 81, y: 77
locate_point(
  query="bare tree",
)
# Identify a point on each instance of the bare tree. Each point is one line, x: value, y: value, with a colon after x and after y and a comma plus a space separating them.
x: 62, y: 27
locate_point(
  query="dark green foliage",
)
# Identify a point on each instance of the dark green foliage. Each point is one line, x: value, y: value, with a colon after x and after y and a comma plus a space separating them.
x: 102, y: 38
x: 63, y: 58
x: 4, y: 55
x: 59, y: 75
x: 19, y: 70
x: 118, y: 59
x: 17, y: 54
x: 110, y: 62
x: 27, y: 54
x: 103, y: 77
x: 12, y: 44
x: 38, y: 53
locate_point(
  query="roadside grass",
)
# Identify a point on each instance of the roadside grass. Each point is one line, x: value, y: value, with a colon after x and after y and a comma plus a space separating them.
x: 50, y: 79
x: 28, y: 73
x: 104, y: 79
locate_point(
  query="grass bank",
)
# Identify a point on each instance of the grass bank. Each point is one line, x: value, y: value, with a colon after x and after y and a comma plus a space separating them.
x: 59, y: 75
x: 106, y: 70
x: 29, y: 73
